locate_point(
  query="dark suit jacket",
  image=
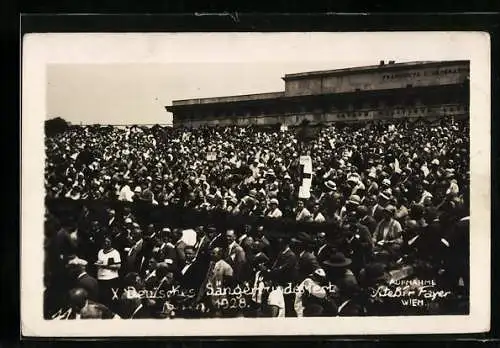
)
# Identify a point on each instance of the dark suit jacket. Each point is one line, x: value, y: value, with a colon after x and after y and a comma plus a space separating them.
x: 307, y: 264
x: 378, y: 213
x: 134, y: 257
x: 285, y: 268
x: 180, y: 246
x: 167, y: 253
x: 237, y: 260
x: 370, y: 223
x: 202, y: 245
x: 365, y: 237
x: 90, y: 284
x: 142, y: 313
x: 323, y: 252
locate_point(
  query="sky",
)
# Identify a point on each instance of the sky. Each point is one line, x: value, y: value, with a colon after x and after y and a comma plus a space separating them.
x: 137, y: 93
x: 146, y: 73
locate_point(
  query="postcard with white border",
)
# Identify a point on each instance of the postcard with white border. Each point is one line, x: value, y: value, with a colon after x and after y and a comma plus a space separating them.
x: 255, y: 184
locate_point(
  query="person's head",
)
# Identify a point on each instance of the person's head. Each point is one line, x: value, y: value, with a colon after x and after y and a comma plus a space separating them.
x: 106, y: 243
x: 211, y: 232
x: 321, y: 237
x: 370, y: 200
x: 248, y: 243
x: 411, y: 225
x: 230, y: 236
x: 189, y: 253
x: 273, y: 203
x: 389, y: 212
x: 283, y: 242
x: 152, y: 264
x: 78, y: 299
x: 132, y: 279
x: 300, y: 204
x: 75, y: 270
x: 416, y: 211
x: 319, y: 275
x: 316, y: 207
x: 259, y: 231
x: 176, y: 234
x: 216, y: 254
x: 200, y: 230
x: 353, y: 203
x: 383, y: 199
x: 151, y: 229
x: 247, y: 228
x: 362, y: 211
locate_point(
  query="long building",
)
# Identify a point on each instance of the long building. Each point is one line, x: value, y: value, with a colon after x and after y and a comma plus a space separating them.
x: 424, y: 89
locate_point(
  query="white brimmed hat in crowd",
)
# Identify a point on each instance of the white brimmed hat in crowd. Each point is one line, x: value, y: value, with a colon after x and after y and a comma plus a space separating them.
x: 274, y: 201
x: 354, y: 178
x: 354, y: 199
x: 76, y: 261
x: 270, y: 172
x: 384, y: 195
x: 331, y: 185
x: 320, y: 272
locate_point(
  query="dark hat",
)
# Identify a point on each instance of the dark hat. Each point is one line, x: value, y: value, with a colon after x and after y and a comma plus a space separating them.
x: 337, y: 260
x: 449, y: 173
x: 260, y: 258
x: 354, y: 200
x: 362, y: 210
x: 147, y: 195
x: 390, y: 209
x: 163, y: 268
x: 374, y: 272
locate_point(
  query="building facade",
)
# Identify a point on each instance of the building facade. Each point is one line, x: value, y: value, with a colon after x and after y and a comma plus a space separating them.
x: 379, y: 92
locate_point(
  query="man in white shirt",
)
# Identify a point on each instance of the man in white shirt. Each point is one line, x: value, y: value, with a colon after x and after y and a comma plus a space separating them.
x: 302, y: 213
x: 108, y: 264
x: 274, y: 212
x: 317, y: 215
x: 126, y: 194
x: 276, y: 303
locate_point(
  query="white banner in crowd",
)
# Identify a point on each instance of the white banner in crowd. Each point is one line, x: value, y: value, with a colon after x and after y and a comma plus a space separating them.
x: 189, y: 237
x: 211, y: 156
x: 306, y: 168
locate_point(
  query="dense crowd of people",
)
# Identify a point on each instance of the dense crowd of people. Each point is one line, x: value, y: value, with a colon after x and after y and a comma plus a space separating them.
x: 388, y: 205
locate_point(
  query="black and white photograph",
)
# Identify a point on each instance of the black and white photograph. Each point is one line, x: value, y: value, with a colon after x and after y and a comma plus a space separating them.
x: 241, y: 183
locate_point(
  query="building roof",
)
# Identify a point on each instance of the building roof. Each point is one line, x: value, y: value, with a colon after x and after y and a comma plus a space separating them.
x: 226, y: 99
x: 391, y: 66
x: 367, y: 68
